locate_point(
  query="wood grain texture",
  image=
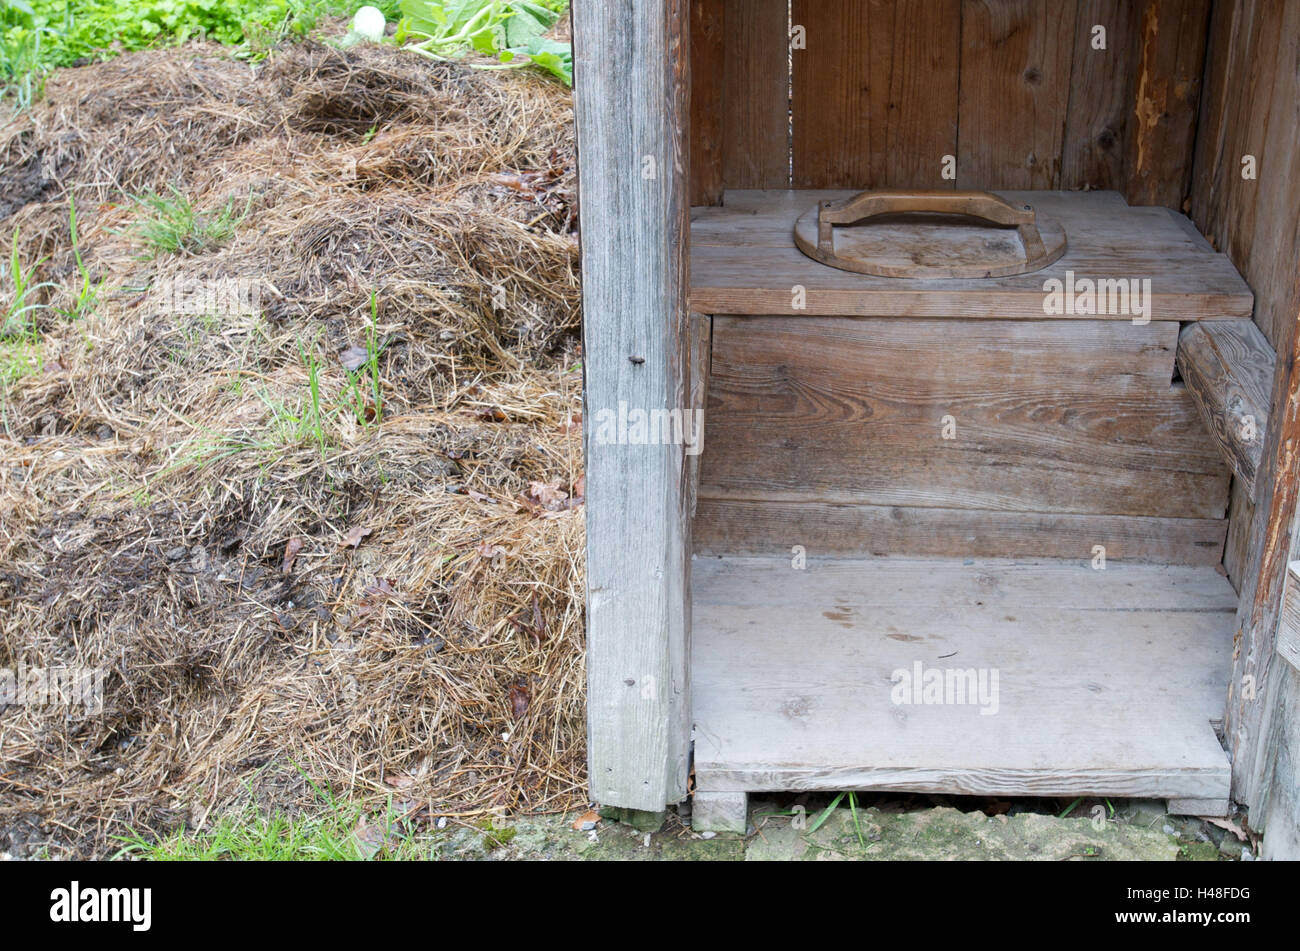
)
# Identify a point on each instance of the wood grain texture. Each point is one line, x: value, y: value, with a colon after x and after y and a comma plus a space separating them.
x: 745, y: 527
x: 756, y: 120
x: 708, y: 100
x: 875, y: 93
x: 853, y: 411
x: 1241, y: 512
x: 1228, y: 368
x: 630, y: 101
x: 1016, y: 62
x: 1216, y: 808
x: 794, y: 672
x: 699, y: 357
x: 1166, y: 95
x: 1212, y: 124
x: 1282, y: 840
x: 1101, y: 95
x: 1288, y: 629
x: 1012, y: 88
x: 743, y: 261
x: 720, y: 812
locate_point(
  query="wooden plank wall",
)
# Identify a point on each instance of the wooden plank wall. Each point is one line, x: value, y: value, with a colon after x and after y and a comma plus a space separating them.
x: 885, y: 89
x: 829, y: 432
x: 875, y: 92
x: 1251, y: 108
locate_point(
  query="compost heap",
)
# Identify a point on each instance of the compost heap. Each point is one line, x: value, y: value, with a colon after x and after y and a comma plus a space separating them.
x: 299, y: 581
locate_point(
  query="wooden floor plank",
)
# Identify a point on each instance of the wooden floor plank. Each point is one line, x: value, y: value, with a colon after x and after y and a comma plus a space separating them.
x: 1107, y: 680
x: 747, y: 527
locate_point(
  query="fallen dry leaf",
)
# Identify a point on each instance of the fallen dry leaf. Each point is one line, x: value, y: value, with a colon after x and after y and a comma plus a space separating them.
x: 547, y: 494
x: 354, y: 358
x: 291, y: 549
x: 519, y: 699
x: 536, y: 626
x: 1229, y: 825
x: 354, y: 537
x: 489, y: 551
x: 370, y: 838
x: 381, y: 590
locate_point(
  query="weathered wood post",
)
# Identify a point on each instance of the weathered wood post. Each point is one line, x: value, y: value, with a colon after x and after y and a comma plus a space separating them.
x: 630, y: 100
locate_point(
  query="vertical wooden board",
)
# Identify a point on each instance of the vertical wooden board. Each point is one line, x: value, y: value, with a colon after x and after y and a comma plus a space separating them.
x: 630, y: 102
x: 1246, y: 109
x: 1241, y: 513
x: 708, y: 79
x: 1252, y: 75
x: 1275, y: 239
x: 1166, y: 97
x: 1270, y: 545
x: 1101, y: 95
x: 1016, y: 59
x: 1212, y: 119
x: 875, y: 93
x: 756, y: 124
x: 1257, y: 79
x: 1282, y: 836
x: 699, y: 354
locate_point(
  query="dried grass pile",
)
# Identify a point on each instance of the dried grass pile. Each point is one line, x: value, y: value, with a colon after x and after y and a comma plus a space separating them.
x: 288, y: 573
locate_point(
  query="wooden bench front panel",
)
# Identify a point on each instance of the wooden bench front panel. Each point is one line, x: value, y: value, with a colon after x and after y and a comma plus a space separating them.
x: 829, y: 432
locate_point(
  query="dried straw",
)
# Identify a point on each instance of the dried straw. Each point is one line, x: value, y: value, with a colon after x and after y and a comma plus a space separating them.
x: 391, y: 609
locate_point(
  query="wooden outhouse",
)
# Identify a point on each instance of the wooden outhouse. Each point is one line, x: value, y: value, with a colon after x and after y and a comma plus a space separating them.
x: 941, y: 400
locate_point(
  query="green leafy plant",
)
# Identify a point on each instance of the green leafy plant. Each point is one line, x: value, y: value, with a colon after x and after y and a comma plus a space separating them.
x: 313, y: 422
x: 332, y: 830
x: 171, y: 224
x: 39, y: 35
x: 87, y: 294
x: 20, y: 338
x: 830, y: 810
x: 364, y: 391
x: 20, y: 314
x: 514, y: 31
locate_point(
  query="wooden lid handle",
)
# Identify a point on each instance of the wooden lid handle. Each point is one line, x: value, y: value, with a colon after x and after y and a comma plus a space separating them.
x: 870, y: 204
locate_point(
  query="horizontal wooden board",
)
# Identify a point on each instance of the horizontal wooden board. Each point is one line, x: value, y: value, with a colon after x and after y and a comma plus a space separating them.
x: 744, y: 261
x: 1045, y: 417
x: 1107, y: 680
x: 740, y: 527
